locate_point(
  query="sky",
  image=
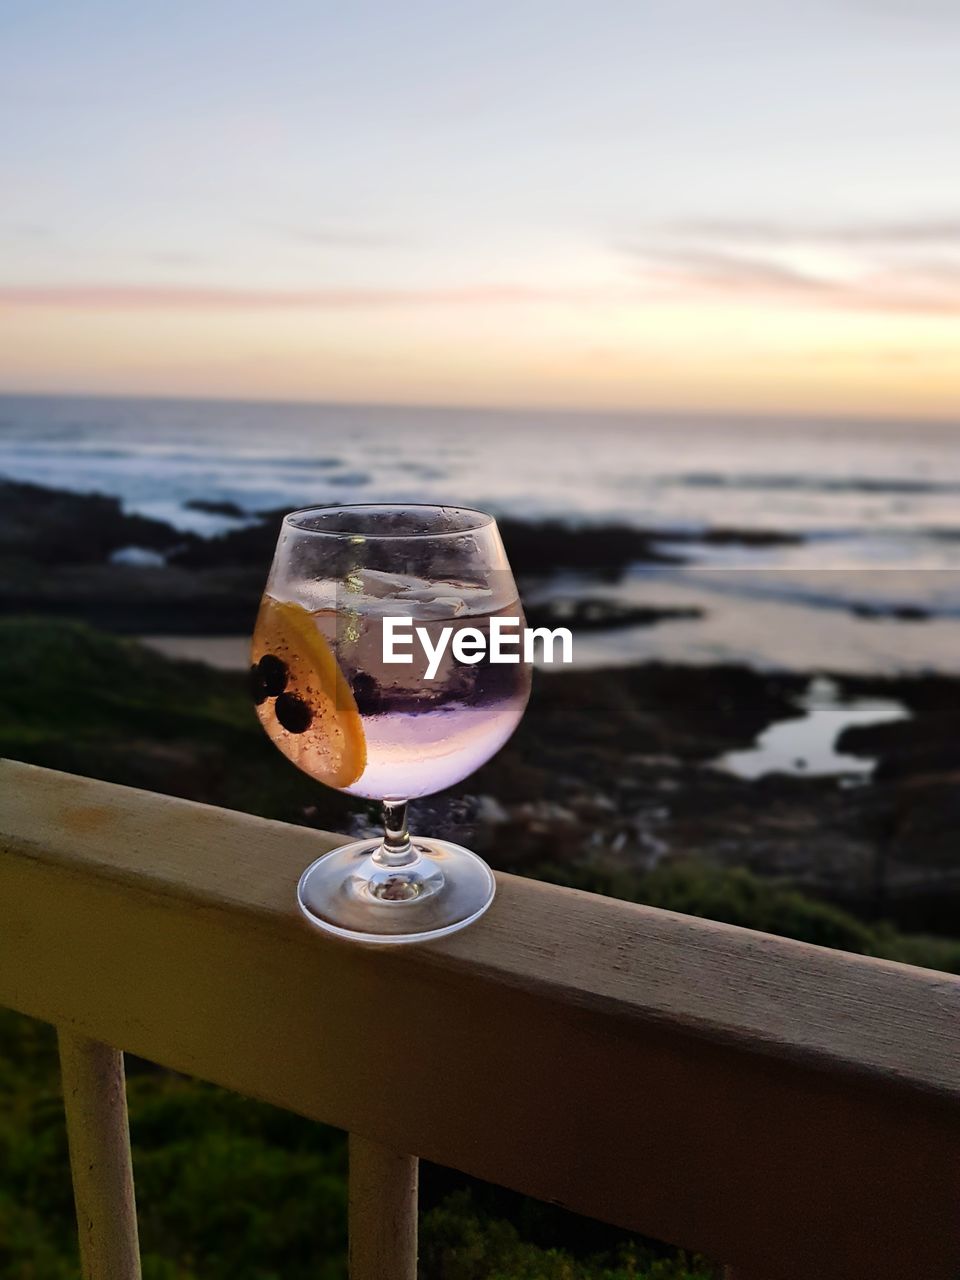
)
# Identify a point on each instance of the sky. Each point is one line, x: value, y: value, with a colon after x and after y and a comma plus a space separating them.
x: 750, y: 206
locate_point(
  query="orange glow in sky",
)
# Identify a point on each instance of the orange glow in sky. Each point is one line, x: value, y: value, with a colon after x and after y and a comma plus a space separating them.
x: 617, y: 205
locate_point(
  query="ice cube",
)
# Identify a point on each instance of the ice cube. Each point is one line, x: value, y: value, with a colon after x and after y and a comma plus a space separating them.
x: 375, y: 584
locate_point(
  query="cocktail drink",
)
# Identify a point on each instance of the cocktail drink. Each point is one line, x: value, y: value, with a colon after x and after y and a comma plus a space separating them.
x: 372, y: 728
x: 372, y: 673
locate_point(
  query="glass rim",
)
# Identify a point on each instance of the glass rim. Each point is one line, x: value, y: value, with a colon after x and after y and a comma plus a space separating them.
x: 483, y: 520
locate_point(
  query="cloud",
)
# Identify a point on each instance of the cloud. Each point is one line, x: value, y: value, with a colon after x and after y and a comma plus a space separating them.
x: 883, y: 265
x: 663, y: 271
x: 152, y: 297
x: 723, y: 269
x: 907, y: 232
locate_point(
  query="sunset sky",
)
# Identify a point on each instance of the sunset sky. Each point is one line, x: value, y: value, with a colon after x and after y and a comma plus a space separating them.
x: 677, y: 203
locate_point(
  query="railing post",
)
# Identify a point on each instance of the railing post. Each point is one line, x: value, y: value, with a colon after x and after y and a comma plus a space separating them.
x: 383, y: 1212
x: 95, y: 1100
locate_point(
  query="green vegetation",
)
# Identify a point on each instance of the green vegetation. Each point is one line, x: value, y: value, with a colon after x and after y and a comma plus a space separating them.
x: 739, y: 897
x: 230, y: 1189
x: 89, y: 703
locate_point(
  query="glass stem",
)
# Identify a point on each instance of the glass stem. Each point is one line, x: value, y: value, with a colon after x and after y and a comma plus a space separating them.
x: 396, y: 849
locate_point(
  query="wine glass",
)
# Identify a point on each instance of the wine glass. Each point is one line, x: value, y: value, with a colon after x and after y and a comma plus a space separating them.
x: 389, y: 730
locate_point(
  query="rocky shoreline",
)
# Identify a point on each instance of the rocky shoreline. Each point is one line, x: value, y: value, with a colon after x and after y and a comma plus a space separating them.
x: 622, y: 765
x: 81, y: 556
x: 611, y: 775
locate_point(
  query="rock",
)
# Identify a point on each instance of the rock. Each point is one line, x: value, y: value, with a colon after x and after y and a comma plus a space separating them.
x: 725, y: 537
x: 624, y: 754
x: 252, y: 544
x: 216, y: 508
x: 545, y: 811
x: 594, y: 613
x: 891, y: 612
x: 550, y: 546
x: 55, y: 527
x: 490, y: 811
x: 927, y: 743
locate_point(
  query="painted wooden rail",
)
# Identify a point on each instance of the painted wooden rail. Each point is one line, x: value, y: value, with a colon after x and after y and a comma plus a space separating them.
x: 792, y: 1111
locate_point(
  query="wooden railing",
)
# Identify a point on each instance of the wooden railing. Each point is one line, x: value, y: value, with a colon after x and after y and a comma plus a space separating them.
x: 792, y: 1111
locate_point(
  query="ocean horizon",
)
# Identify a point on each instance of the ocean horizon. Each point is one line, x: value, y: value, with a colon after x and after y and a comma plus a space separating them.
x: 844, y: 471
x: 867, y: 573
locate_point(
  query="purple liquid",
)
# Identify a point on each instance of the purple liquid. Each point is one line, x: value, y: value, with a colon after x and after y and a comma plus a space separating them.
x: 425, y: 735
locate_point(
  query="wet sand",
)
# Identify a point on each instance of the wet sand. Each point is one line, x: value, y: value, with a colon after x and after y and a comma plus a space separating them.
x: 226, y: 653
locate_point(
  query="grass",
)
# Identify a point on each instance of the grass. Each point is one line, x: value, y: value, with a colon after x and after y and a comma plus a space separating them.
x: 89, y: 703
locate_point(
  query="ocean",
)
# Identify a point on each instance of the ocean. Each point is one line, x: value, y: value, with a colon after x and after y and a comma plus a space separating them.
x: 872, y: 584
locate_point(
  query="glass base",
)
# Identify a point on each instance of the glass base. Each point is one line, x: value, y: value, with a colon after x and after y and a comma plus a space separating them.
x: 349, y: 893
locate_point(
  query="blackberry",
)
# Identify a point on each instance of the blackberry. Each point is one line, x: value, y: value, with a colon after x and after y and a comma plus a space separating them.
x: 367, y: 694
x: 293, y: 713
x: 273, y: 673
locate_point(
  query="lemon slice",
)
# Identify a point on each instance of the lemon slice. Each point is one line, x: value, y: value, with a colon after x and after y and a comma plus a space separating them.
x: 314, y: 719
